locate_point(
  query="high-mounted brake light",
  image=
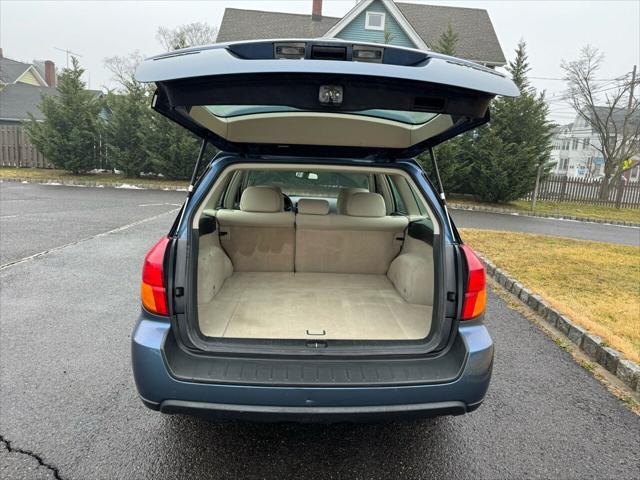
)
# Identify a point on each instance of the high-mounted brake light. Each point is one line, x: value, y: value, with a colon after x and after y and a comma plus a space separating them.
x: 152, y: 290
x: 475, y: 297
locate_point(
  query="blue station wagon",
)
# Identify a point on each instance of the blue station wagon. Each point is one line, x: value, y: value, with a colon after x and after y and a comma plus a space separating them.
x: 314, y: 273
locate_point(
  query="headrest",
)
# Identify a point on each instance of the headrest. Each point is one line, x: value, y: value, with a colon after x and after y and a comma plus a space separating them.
x: 313, y: 206
x: 262, y: 199
x: 366, y: 204
x: 343, y: 196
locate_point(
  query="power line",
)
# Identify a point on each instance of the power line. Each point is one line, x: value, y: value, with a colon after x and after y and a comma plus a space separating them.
x: 564, y: 79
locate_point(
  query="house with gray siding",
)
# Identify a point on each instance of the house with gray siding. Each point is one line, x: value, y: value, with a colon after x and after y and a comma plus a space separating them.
x: 411, y: 25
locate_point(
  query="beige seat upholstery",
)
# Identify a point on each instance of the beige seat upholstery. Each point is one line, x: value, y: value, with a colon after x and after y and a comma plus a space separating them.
x: 343, y: 196
x: 313, y: 206
x: 260, y: 236
x: 364, y: 240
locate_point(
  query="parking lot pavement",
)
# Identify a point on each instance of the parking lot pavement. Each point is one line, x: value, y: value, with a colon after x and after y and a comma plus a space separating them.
x: 36, y: 218
x: 547, y: 226
x: 67, y: 396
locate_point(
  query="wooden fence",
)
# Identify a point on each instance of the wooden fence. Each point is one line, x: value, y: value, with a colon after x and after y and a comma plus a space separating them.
x: 16, y: 151
x: 587, y: 190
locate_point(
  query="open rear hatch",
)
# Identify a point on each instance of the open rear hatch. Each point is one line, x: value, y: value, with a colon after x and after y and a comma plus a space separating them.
x: 331, y: 100
x: 321, y: 97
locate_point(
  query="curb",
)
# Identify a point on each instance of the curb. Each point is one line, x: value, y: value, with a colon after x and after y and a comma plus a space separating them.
x: 612, y: 360
x: 510, y: 211
x: 88, y: 183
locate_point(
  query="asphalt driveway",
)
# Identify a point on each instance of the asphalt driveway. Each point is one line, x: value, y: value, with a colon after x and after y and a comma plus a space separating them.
x: 547, y: 226
x: 67, y: 397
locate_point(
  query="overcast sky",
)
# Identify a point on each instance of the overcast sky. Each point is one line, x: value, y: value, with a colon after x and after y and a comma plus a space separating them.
x: 96, y: 30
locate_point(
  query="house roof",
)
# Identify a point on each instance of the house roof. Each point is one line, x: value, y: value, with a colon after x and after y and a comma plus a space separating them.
x: 618, y: 116
x: 11, y: 70
x: 238, y: 24
x: 18, y: 100
x: 477, y: 39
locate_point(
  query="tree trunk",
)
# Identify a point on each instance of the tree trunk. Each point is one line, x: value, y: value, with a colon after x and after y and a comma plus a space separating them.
x: 604, y: 187
x: 536, y: 189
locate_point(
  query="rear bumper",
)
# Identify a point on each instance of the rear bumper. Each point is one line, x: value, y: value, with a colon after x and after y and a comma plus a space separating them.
x: 161, y: 391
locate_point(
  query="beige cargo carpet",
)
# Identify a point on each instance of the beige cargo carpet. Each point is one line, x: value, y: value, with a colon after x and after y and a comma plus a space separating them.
x: 303, y: 305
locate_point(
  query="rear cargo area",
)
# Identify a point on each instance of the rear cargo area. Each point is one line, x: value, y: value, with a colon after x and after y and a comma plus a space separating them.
x: 345, y: 269
x: 287, y: 305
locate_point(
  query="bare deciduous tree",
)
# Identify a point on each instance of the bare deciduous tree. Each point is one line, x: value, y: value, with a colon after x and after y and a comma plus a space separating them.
x: 612, y: 111
x: 188, y: 35
x: 124, y: 68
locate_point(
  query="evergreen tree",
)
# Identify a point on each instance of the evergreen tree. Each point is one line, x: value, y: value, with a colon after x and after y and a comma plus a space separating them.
x: 127, y: 128
x: 447, y: 42
x: 454, y: 164
x: 508, y: 151
x: 68, y: 136
x: 172, y: 150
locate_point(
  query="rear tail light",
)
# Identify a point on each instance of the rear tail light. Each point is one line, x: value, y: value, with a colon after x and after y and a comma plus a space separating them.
x: 152, y: 290
x: 475, y: 297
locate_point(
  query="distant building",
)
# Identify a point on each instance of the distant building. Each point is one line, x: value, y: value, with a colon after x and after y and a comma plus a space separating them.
x: 575, y: 151
x: 22, y: 86
x: 379, y: 21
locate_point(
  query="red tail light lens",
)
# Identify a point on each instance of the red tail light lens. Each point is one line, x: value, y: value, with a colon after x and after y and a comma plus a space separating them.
x: 475, y: 297
x: 152, y: 291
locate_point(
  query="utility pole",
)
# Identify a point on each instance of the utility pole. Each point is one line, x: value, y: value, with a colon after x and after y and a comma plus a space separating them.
x: 633, y: 84
x: 621, y: 181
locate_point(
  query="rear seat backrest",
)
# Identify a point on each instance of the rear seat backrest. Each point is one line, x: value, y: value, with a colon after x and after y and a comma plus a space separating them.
x: 343, y: 197
x: 363, y: 241
x: 260, y: 236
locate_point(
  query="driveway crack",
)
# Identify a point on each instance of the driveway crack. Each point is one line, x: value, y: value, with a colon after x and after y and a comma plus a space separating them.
x: 38, y: 458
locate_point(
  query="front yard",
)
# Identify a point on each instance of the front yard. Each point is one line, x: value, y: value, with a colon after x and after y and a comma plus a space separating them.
x: 106, y: 178
x: 596, y: 284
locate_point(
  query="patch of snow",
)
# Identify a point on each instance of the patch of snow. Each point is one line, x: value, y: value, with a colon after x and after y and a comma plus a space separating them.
x: 129, y: 187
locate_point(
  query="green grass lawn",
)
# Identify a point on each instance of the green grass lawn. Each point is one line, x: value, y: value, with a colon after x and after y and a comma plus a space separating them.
x: 47, y: 174
x: 561, y: 208
x: 596, y: 284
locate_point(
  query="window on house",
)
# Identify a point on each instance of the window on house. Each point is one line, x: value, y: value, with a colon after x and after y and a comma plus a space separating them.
x: 374, y: 21
x: 585, y: 143
x: 564, y: 163
x: 575, y: 144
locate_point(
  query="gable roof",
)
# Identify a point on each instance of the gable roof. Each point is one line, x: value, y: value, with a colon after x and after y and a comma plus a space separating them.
x: 11, y: 71
x: 477, y: 39
x: 17, y: 100
x: 617, y: 117
x: 238, y: 24
x: 391, y: 7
